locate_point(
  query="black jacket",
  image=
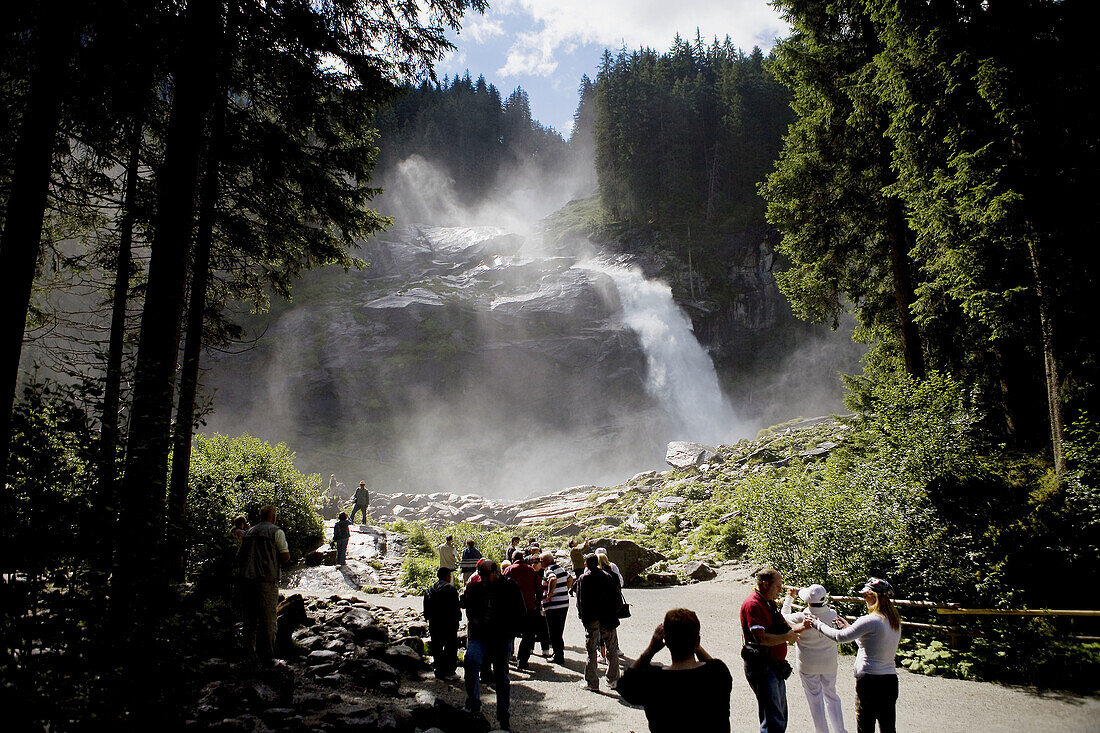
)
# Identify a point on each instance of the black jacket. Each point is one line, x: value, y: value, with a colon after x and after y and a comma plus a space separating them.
x: 599, y: 598
x: 441, y: 604
x: 494, y: 610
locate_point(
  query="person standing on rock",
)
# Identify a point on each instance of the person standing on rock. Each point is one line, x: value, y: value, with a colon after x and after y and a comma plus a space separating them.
x: 448, y: 555
x: 598, y: 603
x: 693, y: 676
x: 341, y: 533
x: 766, y: 635
x: 360, y: 501
x: 555, y: 604
x: 576, y: 555
x: 527, y: 578
x: 442, y: 612
x: 263, y: 552
x: 817, y: 659
x: 494, y: 613
x: 876, y: 635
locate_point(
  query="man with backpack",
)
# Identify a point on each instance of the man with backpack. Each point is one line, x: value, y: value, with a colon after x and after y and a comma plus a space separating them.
x: 494, y: 613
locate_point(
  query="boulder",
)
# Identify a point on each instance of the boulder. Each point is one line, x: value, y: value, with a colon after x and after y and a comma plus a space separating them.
x: 663, y: 578
x: 631, y: 557
x: 321, y: 556
x: 700, y: 571
x: 682, y: 454
x: 670, y: 502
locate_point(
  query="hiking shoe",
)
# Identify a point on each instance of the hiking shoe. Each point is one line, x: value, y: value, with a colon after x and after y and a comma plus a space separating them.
x: 591, y: 688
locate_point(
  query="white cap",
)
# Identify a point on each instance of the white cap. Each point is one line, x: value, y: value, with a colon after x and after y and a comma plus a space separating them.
x: 601, y: 551
x: 813, y: 594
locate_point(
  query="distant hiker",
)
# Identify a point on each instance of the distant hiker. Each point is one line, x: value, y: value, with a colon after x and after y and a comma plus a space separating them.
x: 876, y: 635
x: 448, y: 557
x: 360, y: 501
x: 470, y: 556
x: 512, y: 550
x: 529, y: 582
x: 334, y: 486
x: 341, y: 533
x: 443, y: 615
x: 817, y: 659
x: 240, y: 526
x: 263, y: 552
x: 494, y: 613
x: 766, y: 634
x: 693, y: 693
x: 555, y: 603
x: 598, y: 603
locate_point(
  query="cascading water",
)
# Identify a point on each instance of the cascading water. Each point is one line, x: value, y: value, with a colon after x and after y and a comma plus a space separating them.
x: 680, y: 374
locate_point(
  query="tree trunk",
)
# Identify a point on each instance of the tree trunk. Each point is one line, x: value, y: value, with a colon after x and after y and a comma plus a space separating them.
x: 26, y: 205
x: 103, y: 510
x: 900, y: 271
x: 144, y: 485
x: 1050, y: 362
x: 189, y: 376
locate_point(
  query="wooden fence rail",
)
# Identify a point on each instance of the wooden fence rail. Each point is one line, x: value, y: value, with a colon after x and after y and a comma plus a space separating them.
x: 956, y: 610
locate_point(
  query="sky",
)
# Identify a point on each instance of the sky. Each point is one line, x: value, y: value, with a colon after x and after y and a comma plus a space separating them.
x: 545, y: 46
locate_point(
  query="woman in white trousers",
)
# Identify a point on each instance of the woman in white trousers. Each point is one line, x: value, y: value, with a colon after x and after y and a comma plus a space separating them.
x: 817, y: 660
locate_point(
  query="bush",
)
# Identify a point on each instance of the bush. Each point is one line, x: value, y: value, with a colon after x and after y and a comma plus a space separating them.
x: 418, y: 574
x: 231, y: 476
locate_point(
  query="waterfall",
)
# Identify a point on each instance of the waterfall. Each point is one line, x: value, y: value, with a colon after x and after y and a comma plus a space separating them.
x: 680, y: 374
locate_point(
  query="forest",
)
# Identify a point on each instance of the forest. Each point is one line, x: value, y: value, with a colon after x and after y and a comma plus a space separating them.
x: 924, y: 168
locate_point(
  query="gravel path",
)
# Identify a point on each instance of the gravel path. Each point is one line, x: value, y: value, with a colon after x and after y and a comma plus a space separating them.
x: 552, y: 698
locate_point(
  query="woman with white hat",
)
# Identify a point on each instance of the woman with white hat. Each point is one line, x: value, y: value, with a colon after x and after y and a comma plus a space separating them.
x: 877, y: 635
x: 817, y: 660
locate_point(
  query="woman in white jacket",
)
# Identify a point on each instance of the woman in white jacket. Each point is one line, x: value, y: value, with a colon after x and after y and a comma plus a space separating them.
x: 817, y: 660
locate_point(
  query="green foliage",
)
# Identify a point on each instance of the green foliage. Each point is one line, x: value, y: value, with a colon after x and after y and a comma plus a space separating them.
x: 51, y: 473
x: 936, y: 658
x: 231, y: 476
x: 417, y: 573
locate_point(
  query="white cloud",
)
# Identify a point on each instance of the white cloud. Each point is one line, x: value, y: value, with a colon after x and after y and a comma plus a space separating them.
x: 481, y: 29
x: 560, y: 25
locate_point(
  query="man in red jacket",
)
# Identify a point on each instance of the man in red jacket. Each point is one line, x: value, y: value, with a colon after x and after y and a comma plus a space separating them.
x: 529, y: 580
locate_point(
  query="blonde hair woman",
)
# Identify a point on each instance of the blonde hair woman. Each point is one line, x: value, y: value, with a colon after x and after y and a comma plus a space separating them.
x: 877, y: 635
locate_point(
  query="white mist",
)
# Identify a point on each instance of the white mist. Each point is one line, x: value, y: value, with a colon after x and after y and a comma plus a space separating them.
x: 680, y: 374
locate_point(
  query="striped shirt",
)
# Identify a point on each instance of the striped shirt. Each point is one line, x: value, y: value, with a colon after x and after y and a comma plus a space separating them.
x: 560, y: 599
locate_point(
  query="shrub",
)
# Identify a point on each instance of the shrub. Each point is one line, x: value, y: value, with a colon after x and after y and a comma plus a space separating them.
x: 418, y: 574
x: 231, y: 476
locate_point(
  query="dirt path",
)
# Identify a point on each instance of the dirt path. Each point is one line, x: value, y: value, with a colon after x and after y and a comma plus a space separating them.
x: 552, y: 698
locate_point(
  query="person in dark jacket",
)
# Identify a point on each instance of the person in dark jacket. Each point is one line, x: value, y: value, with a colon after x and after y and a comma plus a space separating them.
x: 598, y: 603
x: 443, y: 615
x: 693, y: 676
x: 494, y: 614
x: 341, y: 533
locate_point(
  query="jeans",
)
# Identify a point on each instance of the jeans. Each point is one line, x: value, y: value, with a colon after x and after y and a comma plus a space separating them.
x: 342, y: 551
x: 555, y: 625
x: 594, y: 635
x: 488, y: 651
x: 824, y: 703
x: 358, y: 508
x: 771, y: 697
x: 444, y: 648
x: 876, y: 699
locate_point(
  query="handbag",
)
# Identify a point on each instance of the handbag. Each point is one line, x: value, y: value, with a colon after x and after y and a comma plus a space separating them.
x: 759, y: 656
x: 624, y: 607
